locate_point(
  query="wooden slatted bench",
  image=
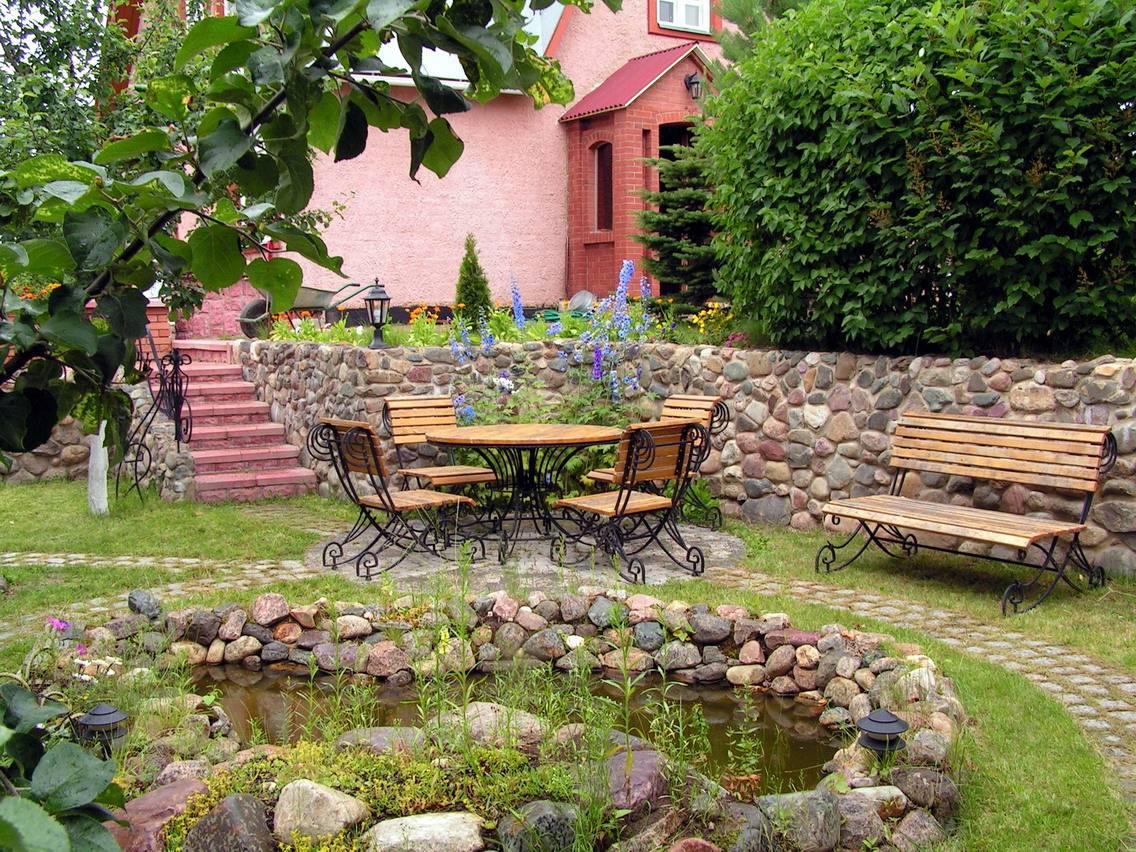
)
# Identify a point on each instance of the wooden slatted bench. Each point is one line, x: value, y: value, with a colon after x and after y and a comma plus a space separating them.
x: 1056, y: 456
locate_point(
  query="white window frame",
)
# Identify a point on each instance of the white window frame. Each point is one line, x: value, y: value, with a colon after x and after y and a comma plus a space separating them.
x: 680, y: 10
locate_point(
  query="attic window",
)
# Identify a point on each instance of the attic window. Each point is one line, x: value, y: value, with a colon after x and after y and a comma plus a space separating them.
x: 689, y: 15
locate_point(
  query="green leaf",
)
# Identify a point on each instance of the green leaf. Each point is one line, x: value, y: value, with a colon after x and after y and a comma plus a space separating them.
x: 68, y: 776
x: 254, y: 212
x: 210, y: 32
x: 280, y: 278
x: 295, y: 189
x: 217, y: 260
x: 134, y: 146
x: 14, y: 408
x: 48, y: 167
x: 93, y: 237
x: 383, y: 13
x: 174, y: 182
x: 88, y: 834
x: 221, y: 149
x: 173, y: 254
x: 445, y: 148
x: 26, y: 827
x: 353, y: 138
x: 256, y: 174
x: 324, y: 122
x: 252, y: 12
x: 69, y: 191
x: 304, y: 244
x: 170, y: 96
x: 24, y: 711
x: 70, y: 329
x: 47, y: 257
x: 439, y: 97
x: 266, y: 65
x: 125, y: 312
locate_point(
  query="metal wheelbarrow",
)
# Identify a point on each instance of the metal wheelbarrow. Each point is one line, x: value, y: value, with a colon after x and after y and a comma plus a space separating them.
x: 255, y: 318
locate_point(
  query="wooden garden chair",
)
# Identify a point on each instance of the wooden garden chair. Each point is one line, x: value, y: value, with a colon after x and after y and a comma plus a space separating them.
x: 640, y: 512
x: 409, y: 520
x: 407, y: 419
x: 713, y: 413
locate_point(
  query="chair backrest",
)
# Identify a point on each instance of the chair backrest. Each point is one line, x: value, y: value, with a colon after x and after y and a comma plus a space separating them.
x: 711, y: 411
x: 408, y: 418
x: 1053, y: 455
x: 657, y: 452
x: 358, y: 446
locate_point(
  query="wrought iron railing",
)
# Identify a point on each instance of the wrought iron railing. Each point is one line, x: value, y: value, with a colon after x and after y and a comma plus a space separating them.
x: 169, y: 389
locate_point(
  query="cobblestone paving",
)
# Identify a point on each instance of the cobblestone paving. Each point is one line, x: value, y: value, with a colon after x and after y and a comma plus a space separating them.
x: 1100, y: 697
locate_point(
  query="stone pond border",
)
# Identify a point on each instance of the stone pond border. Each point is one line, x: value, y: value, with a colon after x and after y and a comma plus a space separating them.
x: 837, y: 674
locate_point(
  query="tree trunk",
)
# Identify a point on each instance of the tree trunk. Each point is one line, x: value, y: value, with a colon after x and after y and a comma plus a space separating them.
x: 97, y: 473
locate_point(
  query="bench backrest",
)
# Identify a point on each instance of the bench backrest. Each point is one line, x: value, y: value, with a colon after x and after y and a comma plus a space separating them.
x: 711, y: 411
x: 672, y: 444
x: 358, y: 446
x: 409, y: 417
x: 1049, y: 455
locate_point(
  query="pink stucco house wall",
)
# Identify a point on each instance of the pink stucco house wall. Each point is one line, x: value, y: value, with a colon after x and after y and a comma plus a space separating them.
x: 511, y: 186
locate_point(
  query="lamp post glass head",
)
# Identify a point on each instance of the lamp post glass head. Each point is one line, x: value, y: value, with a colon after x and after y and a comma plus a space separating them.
x: 102, y: 724
x: 378, y: 302
x: 693, y: 83
x: 880, y: 731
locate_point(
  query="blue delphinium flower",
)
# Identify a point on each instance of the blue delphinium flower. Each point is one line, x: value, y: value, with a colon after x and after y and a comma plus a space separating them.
x: 644, y: 288
x: 597, y: 363
x: 465, y: 412
x: 457, y: 350
x: 555, y: 329
x: 518, y: 308
x: 620, y: 316
x: 487, y: 338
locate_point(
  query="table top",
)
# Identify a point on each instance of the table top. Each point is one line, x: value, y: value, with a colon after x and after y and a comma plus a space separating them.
x: 523, y: 435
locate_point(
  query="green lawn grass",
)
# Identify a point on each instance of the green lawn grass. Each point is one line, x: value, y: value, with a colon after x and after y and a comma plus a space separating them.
x: 1100, y: 622
x: 52, y: 517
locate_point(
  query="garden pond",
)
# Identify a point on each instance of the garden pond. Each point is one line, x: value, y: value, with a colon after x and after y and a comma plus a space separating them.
x: 742, y: 733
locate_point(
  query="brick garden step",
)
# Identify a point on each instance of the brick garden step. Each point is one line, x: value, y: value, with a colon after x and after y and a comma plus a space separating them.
x: 212, y: 372
x: 209, y: 413
x: 233, y: 435
x: 230, y: 460
x: 215, y: 487
x: 203, y: 351
x: 222, y: 391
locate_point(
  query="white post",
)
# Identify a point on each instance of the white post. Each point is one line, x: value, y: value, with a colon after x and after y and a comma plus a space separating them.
x: 97, y: 473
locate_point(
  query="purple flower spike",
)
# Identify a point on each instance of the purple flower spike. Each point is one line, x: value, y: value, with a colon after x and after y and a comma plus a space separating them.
x: 597, y: 363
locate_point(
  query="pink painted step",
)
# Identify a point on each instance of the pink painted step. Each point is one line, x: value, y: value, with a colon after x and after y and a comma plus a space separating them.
x: 233, y: 435
x: 201, y: 351
x: 215, y: 487
x: 209, y: 413
x: 222, y: 391
x: 213, y: 372
x: 231, y: 460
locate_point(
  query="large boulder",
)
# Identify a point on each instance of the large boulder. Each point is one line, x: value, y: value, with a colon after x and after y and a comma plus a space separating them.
x: 540, y: 826
x: 381, y: 740
x: 930, y: 789
x: 314, y: 811
x: 441, y: 832
x: 808, y: 821
x: 149, y: 814
x: 495, y: 725
x: 636, y: 785
x: 236, y: 824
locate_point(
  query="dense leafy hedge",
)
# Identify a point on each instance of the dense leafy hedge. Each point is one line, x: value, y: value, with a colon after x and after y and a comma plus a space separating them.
x: 943, y: 174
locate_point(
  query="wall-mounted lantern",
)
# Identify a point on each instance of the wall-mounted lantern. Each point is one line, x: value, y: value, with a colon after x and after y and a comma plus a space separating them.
x: 693, y: 83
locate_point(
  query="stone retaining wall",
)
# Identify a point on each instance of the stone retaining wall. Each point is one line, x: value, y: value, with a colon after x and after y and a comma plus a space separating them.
x: 807, y: 426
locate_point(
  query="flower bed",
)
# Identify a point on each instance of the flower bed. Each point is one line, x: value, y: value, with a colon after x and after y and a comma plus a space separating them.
x: 523, y: 764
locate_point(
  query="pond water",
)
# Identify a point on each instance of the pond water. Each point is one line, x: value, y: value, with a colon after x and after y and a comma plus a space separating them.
x: 276, y: 707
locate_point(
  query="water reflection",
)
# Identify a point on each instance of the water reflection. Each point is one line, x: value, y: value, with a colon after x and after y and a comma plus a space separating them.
x: 276, y: 706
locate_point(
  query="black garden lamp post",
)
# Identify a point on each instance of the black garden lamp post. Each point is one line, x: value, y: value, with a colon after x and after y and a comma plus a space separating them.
x: 378, y: 302
x: 104, y: 723
x: 693, y: 83
x: 881, y: 730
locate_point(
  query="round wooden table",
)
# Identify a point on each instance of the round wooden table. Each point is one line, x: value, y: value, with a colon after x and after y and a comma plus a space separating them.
x: 529, y: 460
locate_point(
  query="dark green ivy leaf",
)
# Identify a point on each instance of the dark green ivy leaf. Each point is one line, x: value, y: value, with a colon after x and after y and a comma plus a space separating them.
x: 353, y: 137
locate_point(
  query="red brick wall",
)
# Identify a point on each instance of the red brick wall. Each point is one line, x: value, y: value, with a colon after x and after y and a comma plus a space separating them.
x: 594, y: 257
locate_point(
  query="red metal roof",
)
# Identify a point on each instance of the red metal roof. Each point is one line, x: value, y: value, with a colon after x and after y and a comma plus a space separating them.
x: 630, y: 81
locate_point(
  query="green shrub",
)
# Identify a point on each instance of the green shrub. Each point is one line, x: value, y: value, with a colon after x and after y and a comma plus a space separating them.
x: 472, y: 298
x: 942, y: 174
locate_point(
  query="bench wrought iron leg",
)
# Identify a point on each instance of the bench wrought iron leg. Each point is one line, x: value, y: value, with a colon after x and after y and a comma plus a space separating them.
x: 826, y: 558
x: 1093, y: 574
x: 1016, y: 593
